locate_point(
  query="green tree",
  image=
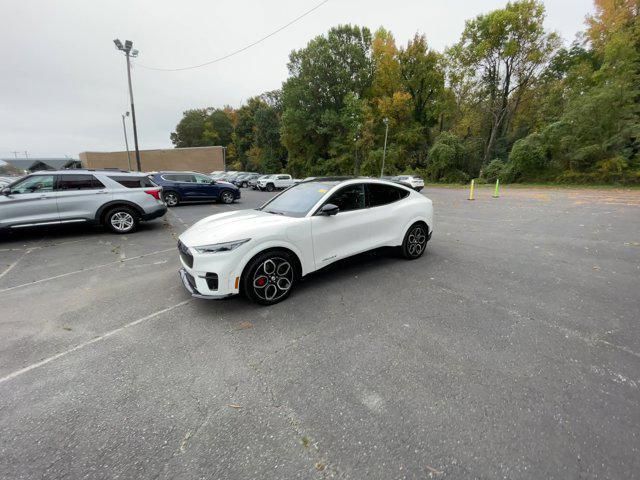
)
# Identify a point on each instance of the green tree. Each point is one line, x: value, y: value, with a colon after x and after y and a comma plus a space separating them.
x: 500, y: 55
x: 321, y: 76
x: 190, y: 130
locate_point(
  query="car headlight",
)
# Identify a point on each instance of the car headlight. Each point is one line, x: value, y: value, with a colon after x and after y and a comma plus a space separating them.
x: 220, y: 247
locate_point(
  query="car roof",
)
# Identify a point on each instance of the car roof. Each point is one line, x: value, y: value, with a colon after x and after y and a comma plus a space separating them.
x: 351, y: 179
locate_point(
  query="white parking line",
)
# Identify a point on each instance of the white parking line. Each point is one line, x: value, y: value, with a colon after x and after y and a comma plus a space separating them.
x: 83, y: 270
x: 89, y: 342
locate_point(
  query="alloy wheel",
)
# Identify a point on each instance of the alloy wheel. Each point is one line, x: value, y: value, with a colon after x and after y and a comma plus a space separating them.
x: 226, y: 197
x: 122, y: 221
x: 171, y: 199
x: 416, y: 241
x: 273, y: 279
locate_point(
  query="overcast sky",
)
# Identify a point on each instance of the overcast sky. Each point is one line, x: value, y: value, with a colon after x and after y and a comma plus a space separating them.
x: 63, y: 84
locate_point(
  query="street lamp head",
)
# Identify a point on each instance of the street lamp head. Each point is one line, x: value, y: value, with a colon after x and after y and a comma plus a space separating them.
x: 385, y: 120
x: 127, y: 45
x: 118, y: 43
x: 127, y: 113
x: 134, y: 53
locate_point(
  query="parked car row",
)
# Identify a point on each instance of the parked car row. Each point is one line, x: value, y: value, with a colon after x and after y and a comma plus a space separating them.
x: 120, y: 199
x: 257, y: 181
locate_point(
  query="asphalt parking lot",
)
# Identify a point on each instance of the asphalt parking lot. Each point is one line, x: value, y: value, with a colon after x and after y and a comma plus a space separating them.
x: 511, y: 349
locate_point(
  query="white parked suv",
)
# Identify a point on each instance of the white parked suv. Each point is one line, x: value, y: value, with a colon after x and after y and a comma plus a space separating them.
x: 276, y: 182
x: 413, y: 181
x: 262, y: 253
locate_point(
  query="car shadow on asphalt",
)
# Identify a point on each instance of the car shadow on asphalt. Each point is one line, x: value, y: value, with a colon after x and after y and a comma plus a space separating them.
x: 365, y: 265
x: 70, y: 232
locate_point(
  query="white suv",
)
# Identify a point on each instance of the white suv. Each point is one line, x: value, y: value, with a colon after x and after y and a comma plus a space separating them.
x: 119, y: 200
x: 412, y: 181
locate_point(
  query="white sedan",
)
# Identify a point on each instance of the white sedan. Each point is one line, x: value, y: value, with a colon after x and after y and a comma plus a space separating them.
x: 262, y: 253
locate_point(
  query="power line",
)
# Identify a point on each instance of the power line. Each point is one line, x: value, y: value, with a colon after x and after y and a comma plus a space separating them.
x: 235, y: 52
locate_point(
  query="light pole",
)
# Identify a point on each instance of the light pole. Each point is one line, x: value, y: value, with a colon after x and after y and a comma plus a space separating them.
x: 126, y: 141
x: 385, y: 120
x: 129, y: 52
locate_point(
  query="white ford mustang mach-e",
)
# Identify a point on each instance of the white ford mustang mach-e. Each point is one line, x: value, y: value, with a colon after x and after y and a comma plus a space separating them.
x: 262, y: 253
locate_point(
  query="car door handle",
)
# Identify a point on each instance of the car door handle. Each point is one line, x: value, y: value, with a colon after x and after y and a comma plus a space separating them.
x: 101, y: 191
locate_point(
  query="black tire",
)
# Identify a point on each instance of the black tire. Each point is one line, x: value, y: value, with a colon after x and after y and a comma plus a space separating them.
x: 270, y: 187
x: 227, y: 196
x: 415, y: 241
x: 172, y: 199
x: 121, y: 220
x: 264, y: 283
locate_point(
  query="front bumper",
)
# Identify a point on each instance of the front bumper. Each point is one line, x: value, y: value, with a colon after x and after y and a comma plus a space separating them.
x: 189, y: 283
x: 200, y: 268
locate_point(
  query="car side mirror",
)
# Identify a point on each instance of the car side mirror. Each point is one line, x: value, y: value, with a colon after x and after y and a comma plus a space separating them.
x: 329, y: 209
x: 6, y: 191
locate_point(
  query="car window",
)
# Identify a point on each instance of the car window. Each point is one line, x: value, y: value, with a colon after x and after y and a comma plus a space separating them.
x: 283, y: 177
x: 180, y: 178
x: 35, y: 183
x: 134, y: 182
x: 299, y: 199
x: 349, y: 198
x: 79, y: 182
x: 202, y: 179
x: 380, y: 194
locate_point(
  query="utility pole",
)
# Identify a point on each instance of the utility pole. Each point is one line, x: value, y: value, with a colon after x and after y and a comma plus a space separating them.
x: 126, y: 141
x: 128, y: 52
x: 385, y: 120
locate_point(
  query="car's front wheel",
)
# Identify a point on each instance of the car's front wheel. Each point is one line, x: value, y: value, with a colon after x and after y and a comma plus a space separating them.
x: 171, y: 199
x: 269, y: 277
x: 226, y: 197
x: 121, y: 220
x: 415, y: 241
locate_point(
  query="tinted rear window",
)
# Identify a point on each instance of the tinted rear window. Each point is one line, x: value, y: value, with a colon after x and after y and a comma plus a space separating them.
x: 383, y: 194
x: 79, y: 182
x: 134, y: 182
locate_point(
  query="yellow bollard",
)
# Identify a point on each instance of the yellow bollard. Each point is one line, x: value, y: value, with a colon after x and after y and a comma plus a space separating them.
x: 496, y: 192
x: 471, y: 197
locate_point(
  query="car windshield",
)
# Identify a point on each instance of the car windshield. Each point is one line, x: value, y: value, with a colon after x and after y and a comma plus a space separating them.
x: 298, y: 200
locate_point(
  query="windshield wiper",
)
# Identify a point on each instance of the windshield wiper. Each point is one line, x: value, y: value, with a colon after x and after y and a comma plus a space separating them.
x: 275, y: 213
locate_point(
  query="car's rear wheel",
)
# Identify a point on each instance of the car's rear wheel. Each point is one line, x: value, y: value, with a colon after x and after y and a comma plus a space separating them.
x: 171, y: 199
x: 121, y: 220
x: 415, y: 241
x: 270, y: 187
x: 226, y: 197
x: 269, y: 277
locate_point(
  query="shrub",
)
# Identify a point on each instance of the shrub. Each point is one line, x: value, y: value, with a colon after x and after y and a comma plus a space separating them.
x: 528, y: 158
x: 493, y: 171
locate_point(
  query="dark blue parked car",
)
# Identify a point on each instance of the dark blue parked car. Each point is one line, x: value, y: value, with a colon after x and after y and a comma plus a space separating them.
x: 178, y: 187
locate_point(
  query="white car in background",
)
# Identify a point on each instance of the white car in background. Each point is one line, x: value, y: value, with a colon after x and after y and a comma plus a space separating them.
x: 276, y: 182
x: 262, y: 253
x: 412, y: 181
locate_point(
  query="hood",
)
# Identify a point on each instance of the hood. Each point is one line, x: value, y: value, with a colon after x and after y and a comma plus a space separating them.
x: 225, y: 184
x: 237, y: 225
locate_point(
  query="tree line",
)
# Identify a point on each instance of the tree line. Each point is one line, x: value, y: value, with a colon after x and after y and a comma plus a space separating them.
x: 507, y: 101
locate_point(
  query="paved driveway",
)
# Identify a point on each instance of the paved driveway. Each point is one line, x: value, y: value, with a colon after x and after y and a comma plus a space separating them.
x: 510, y: 350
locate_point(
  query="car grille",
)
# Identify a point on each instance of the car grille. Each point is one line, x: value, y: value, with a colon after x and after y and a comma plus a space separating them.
x: 185, y: 254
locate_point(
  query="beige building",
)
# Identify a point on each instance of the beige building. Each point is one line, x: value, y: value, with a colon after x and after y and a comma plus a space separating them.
x: 197, y: 159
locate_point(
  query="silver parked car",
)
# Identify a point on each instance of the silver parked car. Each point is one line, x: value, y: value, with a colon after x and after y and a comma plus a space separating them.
x: 113, y: 198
